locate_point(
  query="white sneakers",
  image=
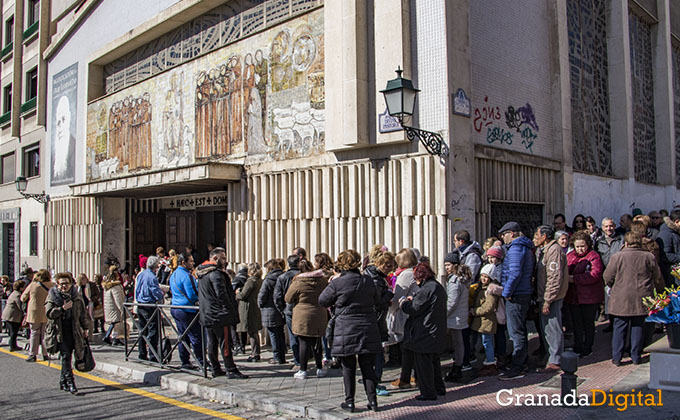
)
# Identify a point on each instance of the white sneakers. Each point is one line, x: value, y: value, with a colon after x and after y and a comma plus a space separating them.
x: 320, y: 373
x: 300, y: 374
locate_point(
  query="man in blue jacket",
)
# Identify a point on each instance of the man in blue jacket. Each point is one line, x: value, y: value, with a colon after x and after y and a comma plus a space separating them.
x: 147, y: 290
x: 185, y: 293
x: 517, y: 268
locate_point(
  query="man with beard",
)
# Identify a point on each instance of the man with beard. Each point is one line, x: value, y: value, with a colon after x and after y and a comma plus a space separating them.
x: 63, y: 146
x: 218, y: 312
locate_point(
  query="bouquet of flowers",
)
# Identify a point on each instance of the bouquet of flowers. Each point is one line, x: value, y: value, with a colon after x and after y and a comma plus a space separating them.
x: 675, y: 271
x: 664, y: 307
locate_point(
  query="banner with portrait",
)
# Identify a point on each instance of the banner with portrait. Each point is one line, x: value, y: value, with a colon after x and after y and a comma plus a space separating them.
x: 64, y: 123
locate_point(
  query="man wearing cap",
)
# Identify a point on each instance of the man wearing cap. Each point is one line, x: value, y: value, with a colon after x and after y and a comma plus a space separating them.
x: 551, y: 284
x: 518, y: 267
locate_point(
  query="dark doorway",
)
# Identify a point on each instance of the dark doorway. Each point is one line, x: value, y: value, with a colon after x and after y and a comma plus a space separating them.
x: 148, y: 233
x: 180, y: 229
x: 212, y: 228
x: 529, y: 216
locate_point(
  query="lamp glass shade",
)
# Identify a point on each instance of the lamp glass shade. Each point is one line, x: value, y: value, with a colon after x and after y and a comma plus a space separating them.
x: 394, y: 102
x: 21, y: 183
x: 409, y: 100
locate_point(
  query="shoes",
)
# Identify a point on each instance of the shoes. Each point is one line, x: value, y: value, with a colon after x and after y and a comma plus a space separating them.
x: 238, y: 350
x: 512, y: 374
x: 585, y: 353
x: 62, y: 385
x: 382, y: 393
x: 347, y: 406
x: 72, y: 387
x: 217, y: 372
x: 320, y: 373
x: 14, y: 348
x: 236, y: 375
x: 118, y: 342
x: 490, y: 370
x: 378, y: 386
x: 107, y: 340
x: 473, y: 360
x: 466, y: 367
x: 373, y: 406
x: 454, y: 374
x: 188, y: 366
x: 550, y: 368
x: 46, y: 357
x: 300, y: 374
x: 295, y: 368
x: 253, y: 359
x: 616, y: 363
x: 399, y: 384
x: 31, y: 358
x: 423, y: 398
x: 637, y: 362
x: 276, y: 362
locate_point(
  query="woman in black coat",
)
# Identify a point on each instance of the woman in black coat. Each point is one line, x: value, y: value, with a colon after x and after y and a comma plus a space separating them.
x: 425, y: 331
x: 272, y: 319
x: 356, y: 326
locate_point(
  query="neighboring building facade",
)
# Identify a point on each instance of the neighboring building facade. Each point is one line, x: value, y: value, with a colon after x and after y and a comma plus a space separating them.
x: 25, y: 33
x: 259, y: 125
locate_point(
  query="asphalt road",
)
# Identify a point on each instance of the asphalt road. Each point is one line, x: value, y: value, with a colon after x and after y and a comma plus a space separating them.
x: 31, y: 391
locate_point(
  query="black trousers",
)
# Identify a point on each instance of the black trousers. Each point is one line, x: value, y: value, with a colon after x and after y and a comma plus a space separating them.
x: 622, y: 324
x: 150, y: 322
x: 14, y: 328
x: 466, y: 345
x: 66, y: 355
x: 310, y: 346
x: 429, y: 371
x: 406, y: 365
x: 349, y: 375
x: 583, y: 318
x: 219, y: 337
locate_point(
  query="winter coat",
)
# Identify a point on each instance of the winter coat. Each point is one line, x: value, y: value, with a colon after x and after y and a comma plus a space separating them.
x: 309, y: 318
x: 632, y: 274
x: 588, y: 287
x: 248, y: 312
x: 518, y: 267
x: 356, y: 326
x: 114, y: 298
x: 36, y: 294
x: 425, y: 330
x: 552, y: 273
x: 497, y: 290
x: 669, y: 245
x: 396, y: 318
x: 217, y: 305
x: 384, y: 298
x: 240, y: 279
x: 457, y: 303
x: 484, y: 311
x: 184, y: 289
x: 472, y: 257
x: 80, y: 320
x: 282, y: 285
x: 13, y: 311
x: 271, y: 317
x: 608, y: 248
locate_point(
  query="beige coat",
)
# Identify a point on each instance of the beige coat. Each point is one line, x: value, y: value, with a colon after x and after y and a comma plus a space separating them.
x: 114, y: 298
x: 36, y: 295
x: 309, y: 318
x: 552, y: 274
x: 483, y: 311
x: 12, y: 311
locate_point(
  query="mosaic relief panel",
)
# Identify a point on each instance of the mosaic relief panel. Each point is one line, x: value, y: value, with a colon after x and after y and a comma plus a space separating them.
x: 587, y: 26
x: 644, y: 140
x: 262, y: 97
x: 676, y: 110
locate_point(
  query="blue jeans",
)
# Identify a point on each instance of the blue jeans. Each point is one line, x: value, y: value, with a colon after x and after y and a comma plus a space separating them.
x: 326, y: 349
x: 192, y: 338
x: 487, y: 341
x: 294, y: 345
x: 278, y: 340
x: 516, y: 314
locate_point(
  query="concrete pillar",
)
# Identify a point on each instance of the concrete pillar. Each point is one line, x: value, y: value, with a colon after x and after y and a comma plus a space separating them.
x: 620, y: 89
x: 663, y: 96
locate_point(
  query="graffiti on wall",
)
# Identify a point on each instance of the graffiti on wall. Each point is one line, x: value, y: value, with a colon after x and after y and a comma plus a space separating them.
x: 519, y: 124
x: 262, y: 97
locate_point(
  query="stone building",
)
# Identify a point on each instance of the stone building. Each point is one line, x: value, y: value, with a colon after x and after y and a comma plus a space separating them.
x: 260, y: 126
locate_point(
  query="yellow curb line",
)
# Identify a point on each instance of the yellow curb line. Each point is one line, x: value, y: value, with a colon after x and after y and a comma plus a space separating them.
x: 137, y: 391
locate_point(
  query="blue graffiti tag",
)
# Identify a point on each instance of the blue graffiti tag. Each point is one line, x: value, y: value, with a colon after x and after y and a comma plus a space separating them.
x: 528, y: 137
x: 498, y: 134
x: 523, y: 120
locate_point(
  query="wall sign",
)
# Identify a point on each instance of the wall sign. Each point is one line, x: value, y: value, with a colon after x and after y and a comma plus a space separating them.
x: 461, y: 103
x: 193, y: 201
x: 387, y: 123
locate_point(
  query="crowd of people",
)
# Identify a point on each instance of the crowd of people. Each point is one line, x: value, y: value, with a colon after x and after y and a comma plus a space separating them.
x: 380, y: 309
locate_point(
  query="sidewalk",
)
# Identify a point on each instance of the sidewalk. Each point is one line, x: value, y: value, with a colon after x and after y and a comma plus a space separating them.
x: 272, y: 388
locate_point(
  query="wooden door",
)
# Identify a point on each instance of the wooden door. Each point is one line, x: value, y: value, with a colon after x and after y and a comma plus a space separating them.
x: 180, y: 228
x: 148, y: 233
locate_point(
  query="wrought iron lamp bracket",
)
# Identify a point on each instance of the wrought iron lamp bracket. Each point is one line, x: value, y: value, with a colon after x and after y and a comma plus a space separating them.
x: 40, y: 198
x: 433, y: 142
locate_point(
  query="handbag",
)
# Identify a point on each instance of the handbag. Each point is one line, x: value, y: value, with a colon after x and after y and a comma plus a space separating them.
x: 330, y: 327
x: 87, y: 363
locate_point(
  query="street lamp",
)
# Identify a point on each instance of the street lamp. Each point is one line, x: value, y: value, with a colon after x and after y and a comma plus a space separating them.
x: 400, y: 97
x: 21, y: 183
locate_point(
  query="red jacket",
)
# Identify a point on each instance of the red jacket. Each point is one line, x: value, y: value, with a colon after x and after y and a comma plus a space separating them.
x: 588, y: 286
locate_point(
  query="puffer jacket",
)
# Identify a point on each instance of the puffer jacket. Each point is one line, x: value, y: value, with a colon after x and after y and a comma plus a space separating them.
x: 79, y: 318
x: 518, y: 268
x: 216, y: 300
x: 282, y: 285
x: 669, y: 245
x: 356, y: 326
x: 271, y: 317
x: 248, y: 311
x: 384, y: 298
x: 457, y: 304
x: 309, y: 318
x: 484, y: 311
x: 114, y: 298
x: 425, y: 330
x: 240, y: 279
x: 471, y: 256
x: 588, y: 286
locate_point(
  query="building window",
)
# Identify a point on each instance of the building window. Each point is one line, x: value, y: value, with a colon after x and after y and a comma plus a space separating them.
x: 31, y: 166
x: 33, y: 239
x: 7, y: 99
x: 33, y: 11
x: 9, y: 31
x: 8, y: 171
x: 32, y: 84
